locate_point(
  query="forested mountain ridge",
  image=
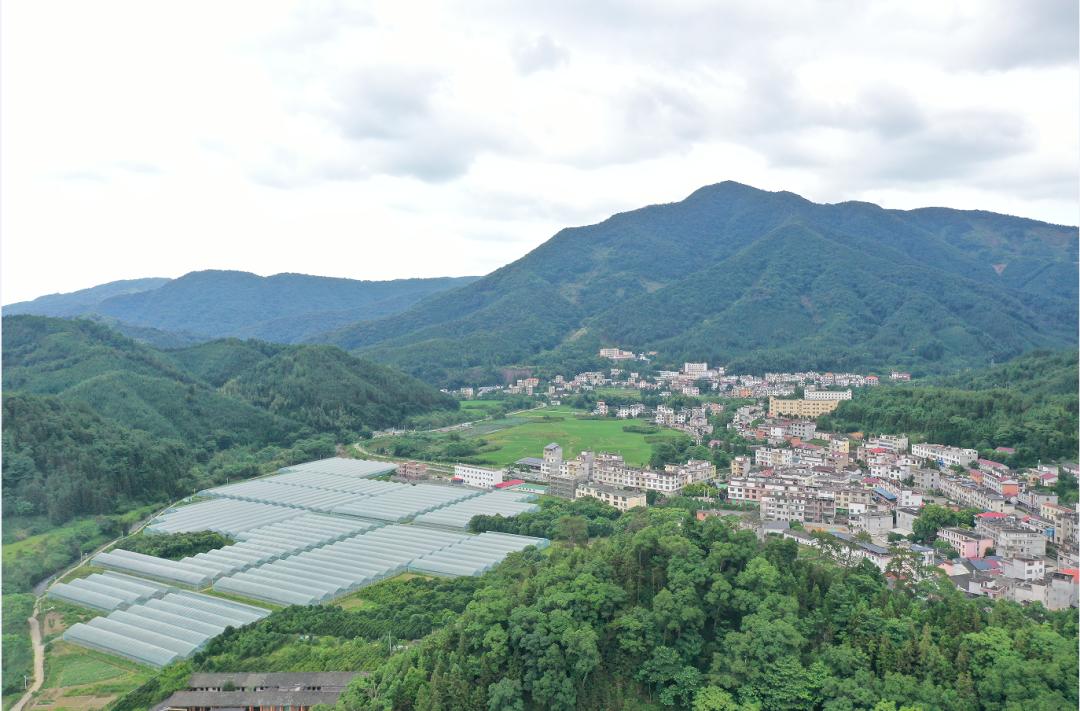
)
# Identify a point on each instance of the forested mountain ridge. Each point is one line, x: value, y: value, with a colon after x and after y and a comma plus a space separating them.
x: 82, y: 301
x: 89, y: 412
x: 783, y: 282
x: 284, y: 308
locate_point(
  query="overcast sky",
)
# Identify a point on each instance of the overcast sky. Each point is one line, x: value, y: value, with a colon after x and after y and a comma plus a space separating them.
x: 395, y: 139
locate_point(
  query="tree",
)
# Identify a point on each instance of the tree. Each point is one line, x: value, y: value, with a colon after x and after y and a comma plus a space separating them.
x: 574, y: 529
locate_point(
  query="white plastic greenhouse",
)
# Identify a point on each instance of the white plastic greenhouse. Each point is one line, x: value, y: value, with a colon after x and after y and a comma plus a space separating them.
x: 405, y: 502
x: 362, y: 468
x: 148, y: 566
x: 474, y: 555
x: 505, y: 503
x: 227, y: 516
x: 329, y: 571
x: 163, y: 630
x: 108, y: 592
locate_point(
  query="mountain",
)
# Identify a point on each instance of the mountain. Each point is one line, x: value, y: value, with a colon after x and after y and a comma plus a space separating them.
x: 212, y: 395
x: 284, y: 308
x: 756, y: 280
x: 82, y: 301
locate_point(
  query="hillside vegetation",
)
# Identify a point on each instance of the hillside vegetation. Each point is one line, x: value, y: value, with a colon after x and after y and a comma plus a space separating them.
x: 665, y: 612
x: 1029, y: 404
x: 285, y: 308
x: 755, y: 280
x: 96, y: 424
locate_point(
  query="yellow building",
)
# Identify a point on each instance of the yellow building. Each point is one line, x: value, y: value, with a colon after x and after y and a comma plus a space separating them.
x: 800, y: 408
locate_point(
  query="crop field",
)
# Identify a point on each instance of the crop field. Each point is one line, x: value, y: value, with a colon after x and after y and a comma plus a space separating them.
x: 534, y: 430
x: 78, y: 678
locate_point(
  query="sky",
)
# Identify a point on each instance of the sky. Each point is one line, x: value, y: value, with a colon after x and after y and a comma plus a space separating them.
x: 386, y: 140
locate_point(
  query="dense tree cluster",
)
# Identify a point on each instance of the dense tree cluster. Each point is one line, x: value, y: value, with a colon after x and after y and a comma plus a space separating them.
x: 175, y: 546
x: 558, y: 519
x: 669, y: 612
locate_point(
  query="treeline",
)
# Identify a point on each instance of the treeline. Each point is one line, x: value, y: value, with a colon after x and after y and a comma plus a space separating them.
x: 175, y: 546
x: 557, y: 519
x: 1029, y: 405
x: 62, y: 460
x: 670, y: 612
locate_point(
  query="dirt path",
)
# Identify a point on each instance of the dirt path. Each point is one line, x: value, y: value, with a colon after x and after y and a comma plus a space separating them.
x: 39, y: 662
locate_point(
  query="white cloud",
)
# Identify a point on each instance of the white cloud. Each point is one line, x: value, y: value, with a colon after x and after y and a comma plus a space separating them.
x: 384, y: 140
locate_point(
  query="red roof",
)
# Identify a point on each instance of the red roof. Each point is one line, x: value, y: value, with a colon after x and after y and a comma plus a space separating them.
x: 1006, y: 450
x: 991, y: 514
x: 1074, y: 572
x: 509, y: 482
x: 877, y: 450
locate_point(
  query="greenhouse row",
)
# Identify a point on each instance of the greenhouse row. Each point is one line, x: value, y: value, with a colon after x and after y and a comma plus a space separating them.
x: 406, y: 502
x: 278, y: 540
x: 189, y: 575
x: 264, y: 491
x: 108, y: 591
x: 227, y: 516
x: 505, y: 503
x: 474, y: 555
x: 342, y: 466
x: 160, y: 631
x: 328, y: 572
x: 335, y: 482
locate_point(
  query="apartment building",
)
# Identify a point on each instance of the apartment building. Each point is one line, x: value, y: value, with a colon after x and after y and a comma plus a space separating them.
x: 773, y: 457
x: 801, y: 408
x: 807, y: 506
x: 478, y: 476
x: 827, y: 395
x: 894, y: 443
x: 803, y: 429
x: 1010, y: 539
x: 622, y: 499
x: 967, y: 543
x: 740, y: 466
x: 1024, y: 568
x: 945, y: 455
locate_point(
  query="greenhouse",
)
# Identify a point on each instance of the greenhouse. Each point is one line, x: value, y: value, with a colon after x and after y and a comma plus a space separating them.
x: 329, y: 571
x: 226, y: 516
x: 474, y: 555
x: 108, y: 591
x: 406, y: 502
x: 504, y: 503
x: 342, y: 466
x: 335, y: 482
x: 180, y: 573
x: 163, y: 630
x: 263, y: 491
x: 277, y: 540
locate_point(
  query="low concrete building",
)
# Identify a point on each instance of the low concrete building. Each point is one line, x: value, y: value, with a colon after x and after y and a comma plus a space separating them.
x: 297, y: 691
x: 622, y: 499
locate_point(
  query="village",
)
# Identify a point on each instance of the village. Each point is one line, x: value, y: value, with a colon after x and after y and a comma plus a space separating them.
x: 854, y: 496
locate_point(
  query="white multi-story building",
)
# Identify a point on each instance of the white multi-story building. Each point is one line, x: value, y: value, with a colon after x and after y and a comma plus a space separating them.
x: 697, y: 370
x: 948, y: 456
x: 770, y: 457
x: 478, y: 476
x: 827, y: 395
x: 622, y: 499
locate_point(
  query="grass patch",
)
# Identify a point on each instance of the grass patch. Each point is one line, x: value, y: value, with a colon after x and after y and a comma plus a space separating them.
x: 506, y: 446
x: 80, y: 678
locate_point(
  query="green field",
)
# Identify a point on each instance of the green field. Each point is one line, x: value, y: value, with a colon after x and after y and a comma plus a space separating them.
x: 527, y: 439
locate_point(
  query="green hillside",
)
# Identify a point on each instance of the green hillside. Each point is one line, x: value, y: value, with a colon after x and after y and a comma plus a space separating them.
x: 1029, y: 404
x: 283, y: 308
x: 92, y: 416
x: 758, y: 280
x: 82, y: 301
x: 328, y: 390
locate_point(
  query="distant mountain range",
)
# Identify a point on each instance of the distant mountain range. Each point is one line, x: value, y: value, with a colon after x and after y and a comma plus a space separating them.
x: 734, y: 275
x: 284, y: 308
x: 758, y: 281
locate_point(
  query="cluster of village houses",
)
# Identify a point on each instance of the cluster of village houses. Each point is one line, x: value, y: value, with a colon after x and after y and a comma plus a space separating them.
x: 693, y: 379
x: 864, y: 493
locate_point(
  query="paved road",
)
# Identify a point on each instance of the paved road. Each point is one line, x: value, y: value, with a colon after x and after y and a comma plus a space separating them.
x: 39, y: 662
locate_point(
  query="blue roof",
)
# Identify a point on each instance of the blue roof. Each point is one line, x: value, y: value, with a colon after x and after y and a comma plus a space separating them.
x: 884, y: 494
x: 979, y: 564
